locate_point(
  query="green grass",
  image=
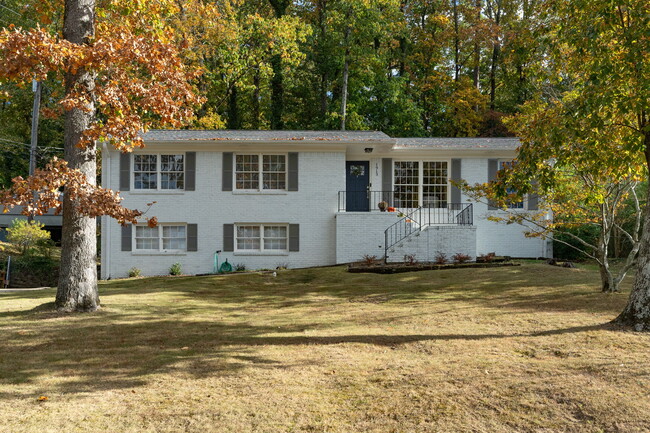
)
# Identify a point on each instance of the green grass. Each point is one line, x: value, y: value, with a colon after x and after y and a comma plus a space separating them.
x: 320, y: 350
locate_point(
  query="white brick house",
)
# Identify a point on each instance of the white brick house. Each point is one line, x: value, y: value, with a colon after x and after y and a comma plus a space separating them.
x: 303, y: 198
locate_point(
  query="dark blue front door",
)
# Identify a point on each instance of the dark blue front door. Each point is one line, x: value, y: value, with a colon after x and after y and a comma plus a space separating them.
x: 357, y: 180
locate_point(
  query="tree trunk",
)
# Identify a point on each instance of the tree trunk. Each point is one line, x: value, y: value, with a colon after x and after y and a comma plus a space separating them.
x: 456, y: 43
x: 277, y: 81
x: 234, y: 121
x: 637, y: 312
x: 255, y: 123
x: 77, y: 290
x: 277, y: 93
x: 344, y: 92
x: 346, y: 73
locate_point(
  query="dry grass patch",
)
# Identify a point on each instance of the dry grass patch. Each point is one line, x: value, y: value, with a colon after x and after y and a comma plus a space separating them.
x: 321, y: 350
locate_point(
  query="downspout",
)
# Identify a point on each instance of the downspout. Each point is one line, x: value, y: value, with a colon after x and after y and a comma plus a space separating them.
x: 106, y: 226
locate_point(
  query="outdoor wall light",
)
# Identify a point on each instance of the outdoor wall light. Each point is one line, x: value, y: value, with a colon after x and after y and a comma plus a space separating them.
x: 368, y: 150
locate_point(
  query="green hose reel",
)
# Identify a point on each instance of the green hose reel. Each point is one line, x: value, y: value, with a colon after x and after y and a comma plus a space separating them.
x: 225, y: 266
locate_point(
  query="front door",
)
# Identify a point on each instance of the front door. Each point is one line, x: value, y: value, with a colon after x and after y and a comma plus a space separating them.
x: 357, y: 181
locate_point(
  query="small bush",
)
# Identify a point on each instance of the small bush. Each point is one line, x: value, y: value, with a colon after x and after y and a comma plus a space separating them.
x: 240, y: 267
x: 135, y: 272
x: 460, y: 258
x: 175, y: 269
x: 440, y: 258
x: 486, y: 258
x: 282, y: 266
x: 410, y: 259
x: 26, y: 234
x: 369, y: 260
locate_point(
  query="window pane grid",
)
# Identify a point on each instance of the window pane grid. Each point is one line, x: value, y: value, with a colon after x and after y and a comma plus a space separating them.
x: 269, y: 175
x: 261, y: 237
x: 407, y: 184
x: 172, y: 172
x: 173, y: 237
x: 151, y: 173
x: 421, y: 183
x: 145, y: 174
x: 512, y: 204
x: 434, y: 184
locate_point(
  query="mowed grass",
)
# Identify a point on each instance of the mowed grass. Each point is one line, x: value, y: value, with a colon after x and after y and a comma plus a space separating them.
x: 512, y: 349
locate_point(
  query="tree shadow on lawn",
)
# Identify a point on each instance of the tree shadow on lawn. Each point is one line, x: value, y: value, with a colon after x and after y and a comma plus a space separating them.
x: 105, y: 350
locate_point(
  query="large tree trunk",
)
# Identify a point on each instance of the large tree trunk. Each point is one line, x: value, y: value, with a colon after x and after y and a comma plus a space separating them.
x: 77, y: 290
x: 277, y: 81
x: 255, y: 122
x: 637, y: 312
x: 234, y: 120
x: 344, y: 91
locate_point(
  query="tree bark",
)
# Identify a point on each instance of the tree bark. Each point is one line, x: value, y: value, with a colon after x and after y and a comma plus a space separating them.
x: 234, y: 120
x: 346, y: 73
x: 255, y: 123
x: 637, y: 312
x: 77, y: 290
x: 277, y: 81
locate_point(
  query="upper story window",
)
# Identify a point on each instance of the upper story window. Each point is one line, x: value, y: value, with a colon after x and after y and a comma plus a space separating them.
x: 158, y: 172
x: 260, y: 172
x: 511, y: 204
x: 421, y: 183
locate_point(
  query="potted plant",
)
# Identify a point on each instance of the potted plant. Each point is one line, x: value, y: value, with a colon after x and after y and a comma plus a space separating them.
x: 382, y: 205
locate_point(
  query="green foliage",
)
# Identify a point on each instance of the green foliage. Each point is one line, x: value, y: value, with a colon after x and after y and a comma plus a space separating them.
x: 27, y: 234
x: 135, y: 272
x: 587, y: 232
x: 175, y: 269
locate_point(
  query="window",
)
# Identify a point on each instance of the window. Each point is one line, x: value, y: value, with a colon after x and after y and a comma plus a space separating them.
x: 158, y: 172
x: 270, y: 174
x: 262, y: 237
x: 511, y: 204
x: 421, y: 183
x: 164, y: 237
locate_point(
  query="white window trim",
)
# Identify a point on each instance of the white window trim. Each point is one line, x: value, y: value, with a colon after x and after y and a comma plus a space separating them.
x: 160, y: 249
x: 524, y: 199
x: 261, y: 251
x: 158, y: 189
x: 260, y: 161
x: 421, y: 176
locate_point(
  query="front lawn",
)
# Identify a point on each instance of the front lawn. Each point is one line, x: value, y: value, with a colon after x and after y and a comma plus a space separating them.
x: 321, y: 350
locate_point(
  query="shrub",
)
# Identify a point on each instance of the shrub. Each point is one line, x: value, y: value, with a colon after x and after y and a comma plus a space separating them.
x: 239, y: 267
x: 135, y: 272
x: 175, y: 269
x: 440, y: 258
x: 486, y: 258
x: 410, y: 259
x: 369, y: 260
x: 26, y: 234
x: 282, y: 266
x: 460, y: 258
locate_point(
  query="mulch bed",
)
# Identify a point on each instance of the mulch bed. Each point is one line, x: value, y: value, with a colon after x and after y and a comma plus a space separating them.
x: 395, y: 268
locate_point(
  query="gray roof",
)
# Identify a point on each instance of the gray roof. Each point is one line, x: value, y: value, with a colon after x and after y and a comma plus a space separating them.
x: 459, y: 143
x: 243, y: 135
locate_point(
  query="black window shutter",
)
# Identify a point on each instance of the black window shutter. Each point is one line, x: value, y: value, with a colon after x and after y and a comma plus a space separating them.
x: 294, y: 237
x: 455, y: 176
x: 533, y: 197
x: 228, y: 237
x: 292, y: 182
x: 226, y: 172
x: 192, y: 237
x: 493, y: 166
x: 190, y: 171
x: 127, y: 237
x: 125, y: 172
x: 387, y: 180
